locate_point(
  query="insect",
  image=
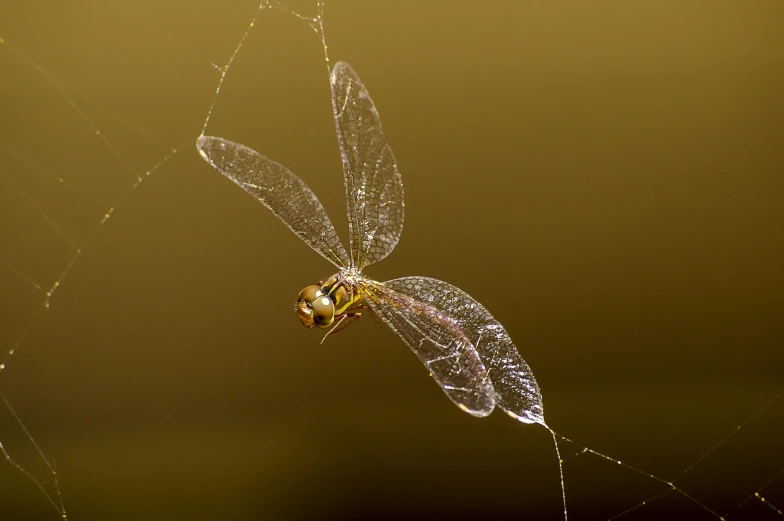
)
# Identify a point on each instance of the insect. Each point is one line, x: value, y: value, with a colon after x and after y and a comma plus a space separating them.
x: 466, y: 351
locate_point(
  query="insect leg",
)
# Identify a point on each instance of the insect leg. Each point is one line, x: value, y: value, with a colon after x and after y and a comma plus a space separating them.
x: 343, y: 322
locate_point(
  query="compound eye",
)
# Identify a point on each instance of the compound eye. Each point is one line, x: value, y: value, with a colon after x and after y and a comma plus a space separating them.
x: 323, y: 311
x: 310, y: 294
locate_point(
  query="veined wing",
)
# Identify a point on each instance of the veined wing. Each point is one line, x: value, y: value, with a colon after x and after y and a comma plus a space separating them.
x: 439, y: 342
x: 285, y: 194
x: 516, y: 391
x: 374, y: 189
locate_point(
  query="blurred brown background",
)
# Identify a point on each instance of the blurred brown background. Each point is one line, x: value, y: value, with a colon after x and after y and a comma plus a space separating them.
x: 605, y: 177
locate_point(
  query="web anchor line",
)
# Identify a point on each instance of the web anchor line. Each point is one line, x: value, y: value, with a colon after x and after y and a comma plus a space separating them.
x: 757, y: 494
x: 56, y: 499
x: 672, y: 487
x: 734, y: 431
x: 56, y: 503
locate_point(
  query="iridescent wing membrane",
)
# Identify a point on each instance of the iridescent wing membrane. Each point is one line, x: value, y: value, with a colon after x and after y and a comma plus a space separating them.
x: 441, y: 322
x: 374, y: 189
x: 438, y: 340
x: 274, y: 186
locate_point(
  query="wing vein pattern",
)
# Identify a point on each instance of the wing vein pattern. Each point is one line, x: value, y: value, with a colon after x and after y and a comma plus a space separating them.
x: 439, y: 342
x: 374, y: 189
x: 278, y: 189
x: 516, y: 390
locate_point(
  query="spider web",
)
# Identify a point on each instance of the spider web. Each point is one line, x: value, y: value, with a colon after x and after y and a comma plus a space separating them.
x: 147, y: 364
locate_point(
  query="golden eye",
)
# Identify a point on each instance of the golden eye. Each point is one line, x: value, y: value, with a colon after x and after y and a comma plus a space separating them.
x: 323, y: 311
x: 309, y: 294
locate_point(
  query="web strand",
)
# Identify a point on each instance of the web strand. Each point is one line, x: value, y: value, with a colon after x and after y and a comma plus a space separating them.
x: 672, y: 487
x: 733, y: 432
x: 225, y: 69
x: 41, y: 211
x: 560, y: 471
x: 57, y: 501
x: 71, y: 103
x: 663, y: 481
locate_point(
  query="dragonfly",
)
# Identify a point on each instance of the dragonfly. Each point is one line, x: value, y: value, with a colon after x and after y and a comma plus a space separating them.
x: 464, y: 349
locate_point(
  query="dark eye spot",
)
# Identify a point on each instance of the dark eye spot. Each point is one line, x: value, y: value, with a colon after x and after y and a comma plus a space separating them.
x: 323, y: 311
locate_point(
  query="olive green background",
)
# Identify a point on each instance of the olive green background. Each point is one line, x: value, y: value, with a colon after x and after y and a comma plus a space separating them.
x: 605, y: 177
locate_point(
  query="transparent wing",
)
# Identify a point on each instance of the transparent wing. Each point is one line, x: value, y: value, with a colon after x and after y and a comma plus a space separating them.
x: 374, y: 189
x: 439, y: 342
x: 285, y: 194
x: 516, y: 391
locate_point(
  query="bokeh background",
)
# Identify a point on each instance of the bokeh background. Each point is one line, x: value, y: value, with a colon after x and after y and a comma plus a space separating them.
x: 606, y: 178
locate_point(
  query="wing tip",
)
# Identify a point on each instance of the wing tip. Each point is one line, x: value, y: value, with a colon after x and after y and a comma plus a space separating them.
x: 476, y: 413
x: 206, y: 144
x: 527, y: 417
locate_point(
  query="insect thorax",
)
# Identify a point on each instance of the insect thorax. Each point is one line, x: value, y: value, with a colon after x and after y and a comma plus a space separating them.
x: 343, y: 289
